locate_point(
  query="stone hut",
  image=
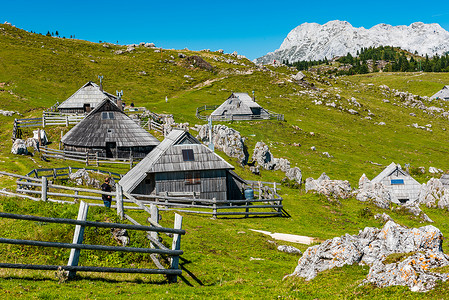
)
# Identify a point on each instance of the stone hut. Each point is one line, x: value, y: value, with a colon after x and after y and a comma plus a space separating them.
x: 402, y: 186
x: 108, y: 131
x: 181, y: 165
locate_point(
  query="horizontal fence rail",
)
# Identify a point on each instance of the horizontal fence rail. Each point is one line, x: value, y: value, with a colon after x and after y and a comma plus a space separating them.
x: 265, y: 197
x: 77, y: 245
x: 90, y: 159
x: 270, y: 116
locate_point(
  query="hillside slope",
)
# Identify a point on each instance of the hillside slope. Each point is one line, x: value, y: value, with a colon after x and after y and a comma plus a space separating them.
x: 362, y: 124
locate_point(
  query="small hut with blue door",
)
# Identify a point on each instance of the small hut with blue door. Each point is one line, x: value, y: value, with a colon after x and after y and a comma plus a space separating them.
x: 403, y: 187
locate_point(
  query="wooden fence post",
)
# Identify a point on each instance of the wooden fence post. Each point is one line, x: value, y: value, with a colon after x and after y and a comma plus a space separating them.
x: 155, y: 216
x: 176, y: 245
x: 43, y: 120
x: 119, y: 201
x: 260, y: 190
x: 87, y: 158
x: 67, y: 121
x: 44, y: 188
x: 96, y: 158
x: 214, y: 207
x: 78, y: 238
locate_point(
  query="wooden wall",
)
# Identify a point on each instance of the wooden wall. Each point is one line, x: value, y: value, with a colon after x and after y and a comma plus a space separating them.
x: 122, y: 152
x: 217, y: 184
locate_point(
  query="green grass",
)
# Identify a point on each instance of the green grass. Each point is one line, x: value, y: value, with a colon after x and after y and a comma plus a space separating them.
x: 217, y: 261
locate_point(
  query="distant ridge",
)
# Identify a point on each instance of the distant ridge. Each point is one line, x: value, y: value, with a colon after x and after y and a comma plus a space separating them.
x: 312, y: 41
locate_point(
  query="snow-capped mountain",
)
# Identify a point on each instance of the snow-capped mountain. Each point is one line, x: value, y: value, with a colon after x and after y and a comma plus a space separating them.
x: 312, y: 41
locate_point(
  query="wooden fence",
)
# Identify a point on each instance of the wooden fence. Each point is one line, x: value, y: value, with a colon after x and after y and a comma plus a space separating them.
x: 64, y: 173
x: 152, y: 125
x: 267, y: 201
x: 48, y: 119
x: 89, y: 159
x: 157, y: 248
x: 270, y: 116
x: 58, y: 119
x: 200, y: 109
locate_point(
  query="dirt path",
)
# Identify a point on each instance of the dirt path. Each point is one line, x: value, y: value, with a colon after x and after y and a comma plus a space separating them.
x: 288, y: 237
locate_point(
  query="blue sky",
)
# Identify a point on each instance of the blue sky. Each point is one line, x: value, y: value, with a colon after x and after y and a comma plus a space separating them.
x: 251, y: 28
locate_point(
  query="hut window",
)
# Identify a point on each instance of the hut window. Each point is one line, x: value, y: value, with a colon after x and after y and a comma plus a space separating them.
x: 192, y: 177
x: 107, y: 115
x: 187, y: 155
x: 110, y: 130
x: 397, y: 181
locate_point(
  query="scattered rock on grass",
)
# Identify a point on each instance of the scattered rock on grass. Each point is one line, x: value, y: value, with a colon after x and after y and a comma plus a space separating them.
x: 289, y: 249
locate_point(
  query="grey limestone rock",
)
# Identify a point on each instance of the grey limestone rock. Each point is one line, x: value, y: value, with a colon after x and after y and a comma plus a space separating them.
x: 19, y: 147
x: 299, y: 76
x: 289, y: 249
x: 414, y: 271
x: 225, y: 139
x: 371, y: 246
x: 377, y: 193
x: 263, y: 157
x: 338, y: 189
x: 294, y: 174
x: 82, y: 177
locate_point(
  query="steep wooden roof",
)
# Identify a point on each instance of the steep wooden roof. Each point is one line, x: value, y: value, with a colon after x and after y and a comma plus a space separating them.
x: 168, y: 157
x: 107, y: 123
x: 90, y: 93
x: 390, y: 170
x: 238, y: 104
x: 442, y: 94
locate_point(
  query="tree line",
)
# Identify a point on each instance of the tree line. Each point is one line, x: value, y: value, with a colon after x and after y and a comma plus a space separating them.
x: 393, y: 60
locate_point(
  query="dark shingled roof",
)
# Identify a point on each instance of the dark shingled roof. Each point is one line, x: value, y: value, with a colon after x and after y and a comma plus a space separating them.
x: 168, y: 157
x: 95, y: 130
x: 90, y: 93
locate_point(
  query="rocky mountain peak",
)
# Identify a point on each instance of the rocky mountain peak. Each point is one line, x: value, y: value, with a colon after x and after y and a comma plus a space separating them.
x: 312, y: 41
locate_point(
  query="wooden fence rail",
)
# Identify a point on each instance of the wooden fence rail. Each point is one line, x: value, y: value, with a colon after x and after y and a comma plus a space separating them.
x: 261, y: 205
x: 90, y: 159
x: 270, y: 116
x: 78, y: 245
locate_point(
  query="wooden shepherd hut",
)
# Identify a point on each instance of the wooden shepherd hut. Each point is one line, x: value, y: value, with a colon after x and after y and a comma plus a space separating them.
x: 443, y: 94
x: 240, y: 106
x: 402, y: 186
x: 181, y: 165
x: 108, y: 131
x: 85, y: 99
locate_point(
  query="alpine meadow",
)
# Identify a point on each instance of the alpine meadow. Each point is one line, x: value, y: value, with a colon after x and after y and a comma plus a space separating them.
x: 343, y: 126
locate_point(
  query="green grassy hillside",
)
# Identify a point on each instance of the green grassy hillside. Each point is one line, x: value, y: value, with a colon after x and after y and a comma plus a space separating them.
x: 37, y: 71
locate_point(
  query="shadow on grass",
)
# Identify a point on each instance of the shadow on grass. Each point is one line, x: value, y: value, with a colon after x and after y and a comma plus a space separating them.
x: 183, y: 278
x: 89, y: 278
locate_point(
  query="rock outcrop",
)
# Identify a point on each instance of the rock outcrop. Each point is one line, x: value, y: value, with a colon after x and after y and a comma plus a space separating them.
x: 377, y: 193
x: 413, y: 271
x: 19, y: 147
x: 264, y: 159
x: 225, y: 139
x: 294, y: 174
x: 371, y: 246
x: 338, y: 189
x: 434, y: 194
x: 82, y: 177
